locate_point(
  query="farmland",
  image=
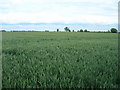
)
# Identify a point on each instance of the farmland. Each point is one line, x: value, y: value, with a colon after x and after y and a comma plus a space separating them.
x: 59, y: 60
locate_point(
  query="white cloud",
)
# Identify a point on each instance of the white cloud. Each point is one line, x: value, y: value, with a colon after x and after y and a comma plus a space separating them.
x: 94, y: 1
x: 66, y: 11
x: 53, y: 17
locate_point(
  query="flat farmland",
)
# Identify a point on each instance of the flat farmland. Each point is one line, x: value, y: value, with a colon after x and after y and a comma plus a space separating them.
x: 59, y: 60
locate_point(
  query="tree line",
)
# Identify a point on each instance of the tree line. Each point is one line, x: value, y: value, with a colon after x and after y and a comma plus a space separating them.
x: 68, y: 30
x: 112, y: 30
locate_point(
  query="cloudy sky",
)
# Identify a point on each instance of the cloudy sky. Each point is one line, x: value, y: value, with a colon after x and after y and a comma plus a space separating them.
x: 103, y: 12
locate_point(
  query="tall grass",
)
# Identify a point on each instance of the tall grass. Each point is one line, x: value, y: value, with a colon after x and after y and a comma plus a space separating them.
x: 59, y: 60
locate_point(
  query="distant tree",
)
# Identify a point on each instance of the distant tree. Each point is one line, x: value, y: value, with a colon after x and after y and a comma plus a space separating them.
x: 85, y: 30
x: 57, y: 30
x: 81, y: 30
x: 78, y: 31
x: 14, y: 30
x: 113, y: 30
x: 108, y: 31
x: 67, y: 29
x: 3, y: 30
x: 73, y: 31
x: 46, y: 30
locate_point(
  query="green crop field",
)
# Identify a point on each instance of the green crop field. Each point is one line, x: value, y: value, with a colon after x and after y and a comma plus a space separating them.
x: 59, y: 60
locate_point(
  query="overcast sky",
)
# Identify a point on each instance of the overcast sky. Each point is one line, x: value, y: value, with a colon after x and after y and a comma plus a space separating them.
x: 59, y: 11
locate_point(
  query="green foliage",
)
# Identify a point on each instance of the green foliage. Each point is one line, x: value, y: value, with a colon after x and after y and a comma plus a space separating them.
x: 59, y: 60
x: 108, y: 31
x: 67, y: 29
x: 81, y: 30
x: 46, y: 30
x: 113, y: 30
x: 57, y: 30
x: 2, y: 30
x: 85, y: 30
